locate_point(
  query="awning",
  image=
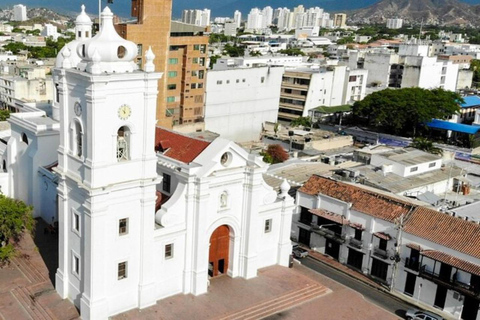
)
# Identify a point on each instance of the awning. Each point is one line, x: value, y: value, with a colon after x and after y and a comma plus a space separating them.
x: 337, y: 218
x: 453, y: 261
x: 414, y: 246
x: 357, y: 226
x: 382, y: 235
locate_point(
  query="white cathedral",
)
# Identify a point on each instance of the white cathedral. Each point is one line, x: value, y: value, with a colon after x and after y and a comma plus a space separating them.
x: 143, y: 212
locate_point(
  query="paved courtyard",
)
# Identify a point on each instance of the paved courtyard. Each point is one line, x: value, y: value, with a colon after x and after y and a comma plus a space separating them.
x: 27, y: 292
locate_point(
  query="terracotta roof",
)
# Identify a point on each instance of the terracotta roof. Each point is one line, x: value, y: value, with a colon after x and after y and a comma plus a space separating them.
x: 337, y: 218
x: 178, y: 146
x: 453, y: 261
x: 382, y: 235
x: 362, y: 200
x: 448, y: 231
x: 161, y: 199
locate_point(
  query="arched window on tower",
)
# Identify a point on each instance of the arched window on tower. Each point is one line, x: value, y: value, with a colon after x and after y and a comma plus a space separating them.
x: 123, y: 144
x: 76, y: 138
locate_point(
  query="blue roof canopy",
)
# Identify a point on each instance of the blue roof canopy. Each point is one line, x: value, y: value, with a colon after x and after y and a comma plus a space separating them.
x: 470, y: 101
x: 457, y: 127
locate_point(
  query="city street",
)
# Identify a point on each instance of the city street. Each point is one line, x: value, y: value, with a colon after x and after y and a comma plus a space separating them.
x: 381, y: 299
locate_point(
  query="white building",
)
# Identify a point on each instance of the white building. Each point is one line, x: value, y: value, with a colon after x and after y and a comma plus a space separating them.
x: 19, y: 12
x: 240, y: 99
x: 394, y: 23
x: 237, y: 18
x: 406, y: 71
x: 196, y: 17
x: 230, y: 29
x: 50, y: 30
x: 255, y: 20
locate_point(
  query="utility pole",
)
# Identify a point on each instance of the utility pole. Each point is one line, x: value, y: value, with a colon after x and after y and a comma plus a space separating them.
x: 396, y: 256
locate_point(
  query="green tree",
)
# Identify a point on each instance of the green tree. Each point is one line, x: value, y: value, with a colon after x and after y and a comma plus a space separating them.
x: 345, y: 40
x: 402, y: 111
x: 275, y: 154
x: 292, y: 52
x: 426, y: 145
x: 4, y: 114
x: 15, y: 219
x: 234, y: 51
x: 301, y: 121
x: 475, y: 67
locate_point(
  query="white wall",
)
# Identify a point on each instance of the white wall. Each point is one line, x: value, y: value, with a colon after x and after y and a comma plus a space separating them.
x: 238, y: 107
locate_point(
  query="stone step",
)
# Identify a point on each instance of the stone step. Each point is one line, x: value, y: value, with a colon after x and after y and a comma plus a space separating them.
x: 288, y: 305
x: 278, y: 304
x: 30, y: 272
x: 34, y: 310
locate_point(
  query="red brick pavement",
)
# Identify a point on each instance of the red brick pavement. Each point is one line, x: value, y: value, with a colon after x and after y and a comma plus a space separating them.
x: 26, y: 291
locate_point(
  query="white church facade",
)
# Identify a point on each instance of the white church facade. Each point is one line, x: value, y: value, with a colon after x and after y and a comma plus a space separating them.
x: 143, y: 212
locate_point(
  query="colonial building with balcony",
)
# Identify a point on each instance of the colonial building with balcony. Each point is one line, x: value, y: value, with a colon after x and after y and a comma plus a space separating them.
x: 352, y: 224
x: 425, y: 255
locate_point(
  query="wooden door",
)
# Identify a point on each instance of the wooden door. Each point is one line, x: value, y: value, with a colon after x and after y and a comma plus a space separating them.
x: 219, y: 251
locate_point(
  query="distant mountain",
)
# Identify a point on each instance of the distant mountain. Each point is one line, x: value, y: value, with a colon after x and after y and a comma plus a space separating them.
x: 440, y: 12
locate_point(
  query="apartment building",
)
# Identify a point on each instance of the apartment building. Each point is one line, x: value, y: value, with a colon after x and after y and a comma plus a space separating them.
x: 306, y: 88
x: 186, y: 74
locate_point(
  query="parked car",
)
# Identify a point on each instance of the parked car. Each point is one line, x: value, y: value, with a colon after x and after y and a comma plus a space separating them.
x: 299, y: 252
x: 415, y: 314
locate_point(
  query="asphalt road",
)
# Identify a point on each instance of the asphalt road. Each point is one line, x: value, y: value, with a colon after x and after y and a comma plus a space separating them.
x: 379, y: 298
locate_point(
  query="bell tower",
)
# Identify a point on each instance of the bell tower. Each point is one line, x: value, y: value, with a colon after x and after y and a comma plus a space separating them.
x: 107, y: 168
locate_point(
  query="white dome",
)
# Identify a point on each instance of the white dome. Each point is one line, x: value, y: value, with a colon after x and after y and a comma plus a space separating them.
x: 74, y: 58
x: 83, y: 18
x: 112, y: 52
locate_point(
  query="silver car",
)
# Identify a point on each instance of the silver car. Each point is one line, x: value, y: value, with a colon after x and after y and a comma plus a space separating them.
x: 415, y: 314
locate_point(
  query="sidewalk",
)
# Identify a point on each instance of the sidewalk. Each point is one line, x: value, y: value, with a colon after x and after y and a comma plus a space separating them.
x: 329, y: 261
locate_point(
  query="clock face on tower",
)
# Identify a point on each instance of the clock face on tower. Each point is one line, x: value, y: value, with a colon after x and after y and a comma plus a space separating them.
x: 124, y: 112
x: 77, y: 108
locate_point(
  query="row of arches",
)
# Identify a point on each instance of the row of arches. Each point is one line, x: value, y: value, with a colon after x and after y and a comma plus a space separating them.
x: 76, y: 142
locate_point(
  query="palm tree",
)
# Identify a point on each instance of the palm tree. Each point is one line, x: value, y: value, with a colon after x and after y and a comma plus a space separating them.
x: 426, y: 145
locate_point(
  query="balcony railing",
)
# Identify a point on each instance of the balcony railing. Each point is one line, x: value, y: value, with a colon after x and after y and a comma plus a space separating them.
x: 452, y: 283
x: 412, y: 264
x: 356, y: 243
x: 380, y: 253
x: 327, y: 233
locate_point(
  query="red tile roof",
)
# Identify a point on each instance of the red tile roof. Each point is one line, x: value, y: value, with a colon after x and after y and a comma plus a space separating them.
x: 178, y: 146
x: 362, y: 200
x: 448, y: 231
x: 453, y: 261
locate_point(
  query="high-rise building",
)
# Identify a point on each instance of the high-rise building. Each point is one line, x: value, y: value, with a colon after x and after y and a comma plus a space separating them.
x: 186, y: 74
x: 267, y: 14
x: 237, y: 17
x: 152, y: 29
x: 340, y: 20
x: 394, y: 23
x: 254, y: 19
x: 196, y: 17
x: 19, y: 12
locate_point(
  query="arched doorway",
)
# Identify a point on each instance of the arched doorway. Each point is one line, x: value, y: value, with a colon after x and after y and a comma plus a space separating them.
x: 219, y: 251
